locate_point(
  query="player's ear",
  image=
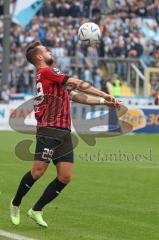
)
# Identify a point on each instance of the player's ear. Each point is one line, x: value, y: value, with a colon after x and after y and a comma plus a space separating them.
x: 39, y: 57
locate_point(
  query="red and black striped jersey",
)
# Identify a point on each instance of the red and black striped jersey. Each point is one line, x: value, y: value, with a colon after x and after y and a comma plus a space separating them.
x: 52, y: 104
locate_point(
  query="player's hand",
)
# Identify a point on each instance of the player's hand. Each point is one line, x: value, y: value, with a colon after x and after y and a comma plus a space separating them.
x: 112, y: 102
x: 117, y: 104
x: 114, y: 105
x: 109, y: 98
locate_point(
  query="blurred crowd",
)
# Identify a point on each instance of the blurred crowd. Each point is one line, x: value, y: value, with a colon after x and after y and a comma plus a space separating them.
x: 134, y: 8
x: 130, y: 29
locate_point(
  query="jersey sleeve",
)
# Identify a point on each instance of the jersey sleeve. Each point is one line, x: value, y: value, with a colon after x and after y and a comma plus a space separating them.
x: 55, y: 75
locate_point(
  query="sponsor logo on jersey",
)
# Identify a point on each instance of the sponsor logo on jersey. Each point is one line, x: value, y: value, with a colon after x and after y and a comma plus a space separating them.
x: 56, y: 71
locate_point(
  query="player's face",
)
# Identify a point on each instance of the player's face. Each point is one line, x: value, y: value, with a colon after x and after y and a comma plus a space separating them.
x: 47, y: 55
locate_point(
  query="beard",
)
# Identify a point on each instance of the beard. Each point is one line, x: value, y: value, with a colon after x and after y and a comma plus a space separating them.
x: 49, y: 61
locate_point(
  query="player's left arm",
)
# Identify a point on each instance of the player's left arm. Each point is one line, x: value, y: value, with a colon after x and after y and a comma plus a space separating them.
x: 87, y: 99
x: 88, y: 89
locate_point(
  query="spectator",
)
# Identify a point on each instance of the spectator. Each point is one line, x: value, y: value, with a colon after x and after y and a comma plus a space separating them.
x: 62, y: 9
x: 47, y: 9
x: 87, y: 76
x: 146, y: 58
x: 99, y: 79
x: 109, y: 87
x: 157, y: 99
x: 56, y: 26
x: 64, y: 62
x: 5, y: 93
x: 116, y: 86
x: 75, y: 10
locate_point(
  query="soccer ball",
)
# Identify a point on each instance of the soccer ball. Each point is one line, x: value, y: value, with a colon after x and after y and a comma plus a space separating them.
x: 89, y: 33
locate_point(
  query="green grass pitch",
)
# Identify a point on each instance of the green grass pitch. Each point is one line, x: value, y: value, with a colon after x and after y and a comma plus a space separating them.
x: 111, y: 200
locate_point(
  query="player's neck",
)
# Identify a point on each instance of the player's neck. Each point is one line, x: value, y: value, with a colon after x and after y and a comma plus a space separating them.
x: 42, y: 65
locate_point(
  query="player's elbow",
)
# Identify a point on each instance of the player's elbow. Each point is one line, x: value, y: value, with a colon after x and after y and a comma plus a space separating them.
x: 78, y: 84
x: 75, y: 83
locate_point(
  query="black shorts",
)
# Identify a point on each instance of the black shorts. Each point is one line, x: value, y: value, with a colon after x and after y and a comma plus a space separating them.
x: 53, y: 144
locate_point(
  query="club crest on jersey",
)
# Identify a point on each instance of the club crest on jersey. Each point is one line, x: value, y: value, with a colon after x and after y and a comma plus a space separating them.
x: 38, y: 76
x: 56, y: 71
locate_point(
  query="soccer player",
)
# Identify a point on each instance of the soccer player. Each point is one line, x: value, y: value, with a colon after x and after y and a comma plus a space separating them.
x: 53, y: 138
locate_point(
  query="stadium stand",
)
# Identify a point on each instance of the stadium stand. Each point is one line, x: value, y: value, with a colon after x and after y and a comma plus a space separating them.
x: 126, y: 33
